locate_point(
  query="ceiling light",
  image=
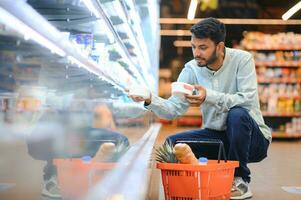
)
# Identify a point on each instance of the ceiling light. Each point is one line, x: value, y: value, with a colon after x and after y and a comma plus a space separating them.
x: 192, y: 9
x: 28, y: 33
x: 291, y: 11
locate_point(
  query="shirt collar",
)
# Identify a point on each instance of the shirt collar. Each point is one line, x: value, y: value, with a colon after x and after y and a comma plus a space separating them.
x: 226, y: 60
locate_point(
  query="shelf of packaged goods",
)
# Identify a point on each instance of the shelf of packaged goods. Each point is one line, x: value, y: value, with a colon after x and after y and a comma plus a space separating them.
x: 273, y: 48
x: 282, y: 97
x: 22, y: 13
x: 278, y: 63
x: 286, y: 135
x: 192, y: 117
x: 279, y: 114
x: 278, y: 80
x: 117, y: 17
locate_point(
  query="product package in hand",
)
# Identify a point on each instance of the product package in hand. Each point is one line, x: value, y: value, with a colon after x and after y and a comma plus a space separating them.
x: 140, y: 91
x: 181, y: 89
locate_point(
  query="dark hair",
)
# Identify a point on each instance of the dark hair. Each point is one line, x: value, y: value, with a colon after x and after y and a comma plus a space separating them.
x: 210, y: 28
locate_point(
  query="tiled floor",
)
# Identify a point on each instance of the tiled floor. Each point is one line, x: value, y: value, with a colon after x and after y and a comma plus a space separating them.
x: 281, y: 168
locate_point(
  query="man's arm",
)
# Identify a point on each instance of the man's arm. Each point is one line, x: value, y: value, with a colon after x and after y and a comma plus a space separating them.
x: 174, y: 106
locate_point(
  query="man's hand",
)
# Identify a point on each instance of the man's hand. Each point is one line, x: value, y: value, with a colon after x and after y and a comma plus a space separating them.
x: 139, y: 98
x: 197, y: 100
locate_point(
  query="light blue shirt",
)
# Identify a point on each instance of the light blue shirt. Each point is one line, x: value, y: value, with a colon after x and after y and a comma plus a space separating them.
x: 234, y: 84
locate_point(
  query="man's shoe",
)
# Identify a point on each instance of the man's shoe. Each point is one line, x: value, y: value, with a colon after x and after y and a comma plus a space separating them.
x: 240, y: 189
x: 51, y: 188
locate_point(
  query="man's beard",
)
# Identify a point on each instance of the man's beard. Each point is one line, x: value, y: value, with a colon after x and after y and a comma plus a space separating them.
x: 210, y: 61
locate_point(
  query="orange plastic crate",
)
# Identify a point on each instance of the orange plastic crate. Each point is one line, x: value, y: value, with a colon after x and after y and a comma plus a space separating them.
x: 198, y: 182
x: 76, y: 177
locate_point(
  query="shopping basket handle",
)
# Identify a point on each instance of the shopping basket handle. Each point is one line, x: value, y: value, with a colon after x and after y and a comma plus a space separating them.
x: 221, y: 149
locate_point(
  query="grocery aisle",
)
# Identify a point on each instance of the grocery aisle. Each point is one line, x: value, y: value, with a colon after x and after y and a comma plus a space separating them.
x: 69, y: 70
x: 280, y: 168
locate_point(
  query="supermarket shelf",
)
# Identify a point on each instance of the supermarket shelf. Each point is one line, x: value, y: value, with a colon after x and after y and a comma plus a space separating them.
x: 277, y: 52
x: 24, y: 14
x: 279, y: 80
x: 283, y: 97
x: 192, y: 117
x: 135, y: 73
x: 278, y: 64
x: 233, y: 21
x: 264, y: 47
x: 135, y: 44
x: 270, y: 114
x: 98, y: 9
x: 285, y: 135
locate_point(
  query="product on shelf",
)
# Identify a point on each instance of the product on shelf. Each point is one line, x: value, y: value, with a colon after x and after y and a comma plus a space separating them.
x: 99, y: 53
x: 7, y: 106
x: 84, y: 41
x: 123, y: 35
x: 31, y: 98
x: 280, y: 98
x: 116, y: 20
x: 102, y: 38
x: 278, y: 66
x: 289, y: 73
x: 292, y: 127
x: 126, y: 67
x: 277, y: 56
x: 106, y: 1
x: 258, y: 40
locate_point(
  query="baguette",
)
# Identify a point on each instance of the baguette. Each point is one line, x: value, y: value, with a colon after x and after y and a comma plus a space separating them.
x: 105, y: 152
x: 184, y: 154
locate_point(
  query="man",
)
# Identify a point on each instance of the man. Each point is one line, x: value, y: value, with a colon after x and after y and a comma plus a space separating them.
x: 226, y: 85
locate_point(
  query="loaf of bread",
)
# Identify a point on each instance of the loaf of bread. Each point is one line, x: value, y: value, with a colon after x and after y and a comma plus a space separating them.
x: 184, y: 154
x: 105, y: 152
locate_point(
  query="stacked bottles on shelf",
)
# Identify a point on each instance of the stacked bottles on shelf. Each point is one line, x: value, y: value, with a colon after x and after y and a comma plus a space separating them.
x: 277, y: 56
x: 292, y: 127
x: 281, y: 40
x: 280, y: 98
x: 277, y: 72
x: 278, y: 67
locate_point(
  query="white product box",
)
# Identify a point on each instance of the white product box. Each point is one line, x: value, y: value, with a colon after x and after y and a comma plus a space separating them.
x: 180, y: 89
x: 140, y: 91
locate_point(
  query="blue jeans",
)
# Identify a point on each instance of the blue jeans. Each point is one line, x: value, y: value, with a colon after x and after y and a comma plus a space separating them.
x: 242, y: 139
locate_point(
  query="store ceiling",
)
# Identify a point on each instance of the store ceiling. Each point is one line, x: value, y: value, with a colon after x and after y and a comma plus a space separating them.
x: 231, y: 8
x: 172, y: 57
x: 280, y: 3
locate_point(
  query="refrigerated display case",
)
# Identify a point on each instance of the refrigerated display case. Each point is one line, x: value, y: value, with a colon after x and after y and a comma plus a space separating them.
x: 68, y: 128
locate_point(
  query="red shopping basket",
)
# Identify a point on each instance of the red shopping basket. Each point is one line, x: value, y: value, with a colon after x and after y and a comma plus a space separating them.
x: 76, y: 177
x: 199, y: 182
